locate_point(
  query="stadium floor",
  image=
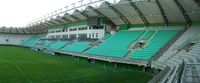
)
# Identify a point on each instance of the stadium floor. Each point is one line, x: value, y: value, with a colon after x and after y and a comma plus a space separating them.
x: 22, y: 65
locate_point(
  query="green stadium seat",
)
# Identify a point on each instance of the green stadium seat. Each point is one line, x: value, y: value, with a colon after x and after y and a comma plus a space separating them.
x: 147, y: 35
x: 44, y: 43
x: 117, y: 45
x: 77, y: 47
x: 160, y: 39
x: 57, y: 45
x: 107, y: 36
x: 32, y: 40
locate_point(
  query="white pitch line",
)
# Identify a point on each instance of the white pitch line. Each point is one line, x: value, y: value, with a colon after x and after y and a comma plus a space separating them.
x: 30, y: 81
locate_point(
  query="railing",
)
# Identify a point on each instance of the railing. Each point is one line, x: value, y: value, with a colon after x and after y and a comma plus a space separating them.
x: 173, y: 40
x: 189, y: 68
x: 176, y: 79
x: 185, y: 44
x: 180, y: 72
x: 98, y: 57
x: 159, y: 76
x: 96, y: 43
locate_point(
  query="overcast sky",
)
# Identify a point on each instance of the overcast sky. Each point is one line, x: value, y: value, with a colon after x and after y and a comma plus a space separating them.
x: 19, y: 13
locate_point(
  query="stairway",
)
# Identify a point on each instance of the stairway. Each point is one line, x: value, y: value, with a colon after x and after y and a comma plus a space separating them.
x: 172, y: 57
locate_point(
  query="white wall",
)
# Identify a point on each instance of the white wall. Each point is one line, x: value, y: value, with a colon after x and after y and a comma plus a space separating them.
x: 13, y: 39
x: 89, y: 32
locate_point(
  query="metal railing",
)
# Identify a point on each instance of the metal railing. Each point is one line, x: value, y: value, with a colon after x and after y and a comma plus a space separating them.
x: 180, y: 72
x: 185, y: 44
x: 159, y: 76
x: 194, y: 76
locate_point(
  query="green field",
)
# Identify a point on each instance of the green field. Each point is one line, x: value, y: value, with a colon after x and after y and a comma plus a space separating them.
x: 22, y: 65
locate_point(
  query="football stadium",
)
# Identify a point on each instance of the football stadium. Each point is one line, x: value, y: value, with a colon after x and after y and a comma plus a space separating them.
x: 106, y: 41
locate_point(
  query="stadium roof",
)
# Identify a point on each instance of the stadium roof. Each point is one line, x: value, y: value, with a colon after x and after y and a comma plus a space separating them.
x: 128, y: 12
x: 136, y: 12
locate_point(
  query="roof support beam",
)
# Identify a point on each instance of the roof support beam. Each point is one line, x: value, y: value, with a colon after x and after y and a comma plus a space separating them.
x: 29, y: 31
x: 197, y: 2
x: 139, y: 12
x: 74, y: 17
x: 20, y: 30
x: 162, y: 12
x: 62, y: 20
x: 98, y: 12
x: 52, y: 22
x: 47, y: 23
x: 44, y: 30
x: 84, y: 14
x: 17, y: 30
x: 102, y: 15
x: 40, y: 28
x: 23, y: 30
x: 188, y: 20
x: 59, y: 21
x: 3, y: 30
x: 65, y: 19
x: 34, y: 30
x: 126, y: 21
x: 43, y: 24
x: 10, y: 30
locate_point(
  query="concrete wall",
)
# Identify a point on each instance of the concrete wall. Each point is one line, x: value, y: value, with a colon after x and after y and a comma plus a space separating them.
x: 13, y: 39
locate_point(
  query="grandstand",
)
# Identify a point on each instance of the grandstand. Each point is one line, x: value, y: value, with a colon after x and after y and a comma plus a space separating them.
x: 163, y: 35
x: 58, y: 44
x: 113, y: 48
x: 160, y: 39
x: 77, y: 47
x: 31, y: 41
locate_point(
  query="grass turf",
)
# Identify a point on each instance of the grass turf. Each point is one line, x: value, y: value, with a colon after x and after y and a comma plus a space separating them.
x: 22, y: 65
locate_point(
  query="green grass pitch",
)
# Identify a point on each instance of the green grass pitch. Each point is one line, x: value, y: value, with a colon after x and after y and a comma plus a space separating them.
x: 22, y: 65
